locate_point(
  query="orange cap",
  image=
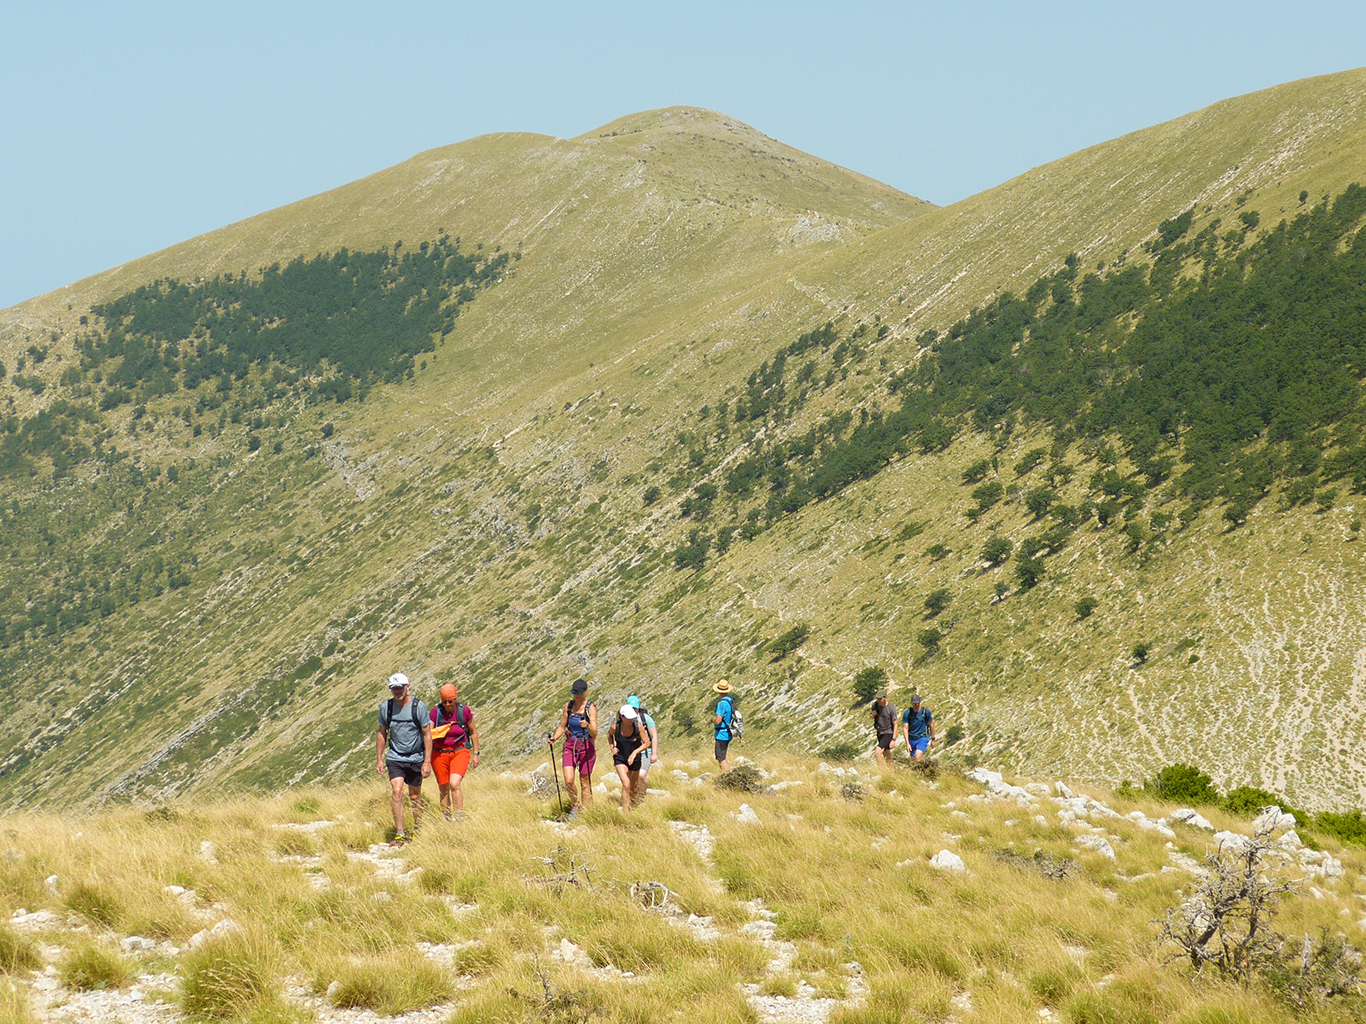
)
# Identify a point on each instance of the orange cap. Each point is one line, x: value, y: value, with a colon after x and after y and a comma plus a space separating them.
x: 449, y: 692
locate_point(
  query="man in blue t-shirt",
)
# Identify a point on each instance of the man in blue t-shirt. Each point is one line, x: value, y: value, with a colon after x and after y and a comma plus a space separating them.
x: 725, y: 708
x: 919, y: 723
x: 405, y: 729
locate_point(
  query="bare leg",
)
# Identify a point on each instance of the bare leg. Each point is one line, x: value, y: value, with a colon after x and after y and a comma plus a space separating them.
x: 570, y: 776
x: 446, y: 797
x: 625, y: 777
x: 586, y: 787
x: 637, y: 788
x: 456, y: 793
x: 877, y: 753
x: 415, y: 795
x: 396, y: 785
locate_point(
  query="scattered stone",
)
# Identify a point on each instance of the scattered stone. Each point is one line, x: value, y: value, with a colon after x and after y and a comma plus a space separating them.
x: 761, y: 929
x: 1099, y: 844
x: 1188, y: 816
x: 947, y: 860
x: 1231, y: 842
x: 221, y: 930
x: 136, y: 944
x: 778, y: 787
x: 1273, y: 819
x: 51, y: 882
x: 1038, y: 789
x: 746, y: 816
x: 208, y: 852
x: 40, y: 920
x: 1151, y: 824
x: 1063, y: 790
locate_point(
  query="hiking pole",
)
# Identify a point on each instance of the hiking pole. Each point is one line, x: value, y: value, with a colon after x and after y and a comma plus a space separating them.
x: 559, y: 800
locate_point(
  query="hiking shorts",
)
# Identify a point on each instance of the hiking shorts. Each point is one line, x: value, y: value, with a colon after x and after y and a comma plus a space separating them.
x: 645, y: 764
x: 450, y: 762
x: 409, y: 773
x: 884, y: 740
x: 721, y: 747
x: 919, y: 746
x: 580, y: 755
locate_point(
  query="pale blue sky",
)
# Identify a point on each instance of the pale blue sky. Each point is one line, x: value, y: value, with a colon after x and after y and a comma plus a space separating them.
x: 127, y: 127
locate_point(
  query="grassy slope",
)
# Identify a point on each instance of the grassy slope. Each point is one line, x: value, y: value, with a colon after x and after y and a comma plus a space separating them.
x: 660, y: 266
x: 858, y: 914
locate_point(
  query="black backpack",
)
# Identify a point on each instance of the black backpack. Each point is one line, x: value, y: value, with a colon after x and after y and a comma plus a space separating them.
x: 389, y: 717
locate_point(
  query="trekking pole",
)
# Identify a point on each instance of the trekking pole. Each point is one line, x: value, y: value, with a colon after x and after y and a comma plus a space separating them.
x: 559, y: 800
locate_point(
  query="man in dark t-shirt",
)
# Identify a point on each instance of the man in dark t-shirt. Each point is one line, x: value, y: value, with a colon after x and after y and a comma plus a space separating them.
x: 884, y: 724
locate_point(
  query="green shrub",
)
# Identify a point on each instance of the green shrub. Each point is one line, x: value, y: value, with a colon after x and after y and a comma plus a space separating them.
x: 1085, y: 606
x: 1183, y: 783
x: 929, y: 639
x: 840, y: 752
x: 789, y: 641
x: 1247, y: 801
x: 90, y: 967
x: 997, y: 550
x: 936, y: 601
x: 1347, y: 828
x: 869, y: 683
x: 17, y: 952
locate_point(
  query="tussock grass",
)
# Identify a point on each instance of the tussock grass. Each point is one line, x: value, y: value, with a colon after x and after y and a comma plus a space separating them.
x: 387, y: 988
x: 17, y: 952
x: 14, y: 1008
x: 91, y: 966
x: 844, y: 882
x: 231, y: 978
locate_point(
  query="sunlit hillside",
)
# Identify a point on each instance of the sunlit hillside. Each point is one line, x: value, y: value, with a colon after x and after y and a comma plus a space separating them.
x: 528, y: 500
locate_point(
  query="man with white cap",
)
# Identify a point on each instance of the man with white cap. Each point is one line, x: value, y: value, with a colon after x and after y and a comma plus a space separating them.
x: 725, y: 711
x: 405, y: 730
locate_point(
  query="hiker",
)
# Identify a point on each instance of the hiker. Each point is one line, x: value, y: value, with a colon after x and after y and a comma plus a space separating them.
x: 579, y: 721
x: 455, y: 748
x: 919, y: 723
x: 651, y: 755
x: 725, y: 711
x: 405, y: 728
x: 628, y: 749
x: 884, y: 724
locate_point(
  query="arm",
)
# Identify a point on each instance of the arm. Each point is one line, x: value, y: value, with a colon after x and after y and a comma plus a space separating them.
x: 593, y: 722
x: 930, y: 725
x: 382, y: 739
x: 474, y: 742
x: 427, y: 750
x: 654, y: 744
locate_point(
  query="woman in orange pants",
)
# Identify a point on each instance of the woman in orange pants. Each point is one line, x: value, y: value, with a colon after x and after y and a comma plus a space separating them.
x: 455, y: 748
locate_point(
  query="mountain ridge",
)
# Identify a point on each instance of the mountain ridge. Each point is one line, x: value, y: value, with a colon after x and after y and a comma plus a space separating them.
x: 485, y: 520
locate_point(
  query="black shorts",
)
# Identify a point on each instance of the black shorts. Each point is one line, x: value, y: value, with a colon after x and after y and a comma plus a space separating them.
x: 409, y: 773
x: 721, y: 747
x: 884, y: 740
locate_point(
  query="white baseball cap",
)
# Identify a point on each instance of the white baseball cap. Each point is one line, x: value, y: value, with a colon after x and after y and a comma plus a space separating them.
x: 398, y: 681
x: 629, y: 713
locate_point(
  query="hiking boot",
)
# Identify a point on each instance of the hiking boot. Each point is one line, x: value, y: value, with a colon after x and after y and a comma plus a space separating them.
x: 399, y: 839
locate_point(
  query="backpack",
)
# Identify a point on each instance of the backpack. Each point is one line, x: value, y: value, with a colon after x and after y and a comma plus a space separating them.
x: 389, y: 717
x: 461, y: 719
x: 737, y: 722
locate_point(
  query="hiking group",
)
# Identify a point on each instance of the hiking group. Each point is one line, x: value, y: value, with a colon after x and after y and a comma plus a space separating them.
x: 633, y: 739
x: 415, y: 741
x: 917, y: 722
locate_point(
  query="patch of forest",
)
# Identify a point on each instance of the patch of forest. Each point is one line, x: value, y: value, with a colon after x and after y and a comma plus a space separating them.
x: 1222, y: 365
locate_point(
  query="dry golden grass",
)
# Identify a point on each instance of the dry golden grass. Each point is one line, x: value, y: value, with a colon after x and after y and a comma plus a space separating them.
x: 507, y: 915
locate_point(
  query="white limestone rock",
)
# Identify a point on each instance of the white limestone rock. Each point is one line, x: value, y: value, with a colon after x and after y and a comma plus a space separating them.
x: 947, y: 860
x: 1099, y: 844
x: 1189, y: 816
